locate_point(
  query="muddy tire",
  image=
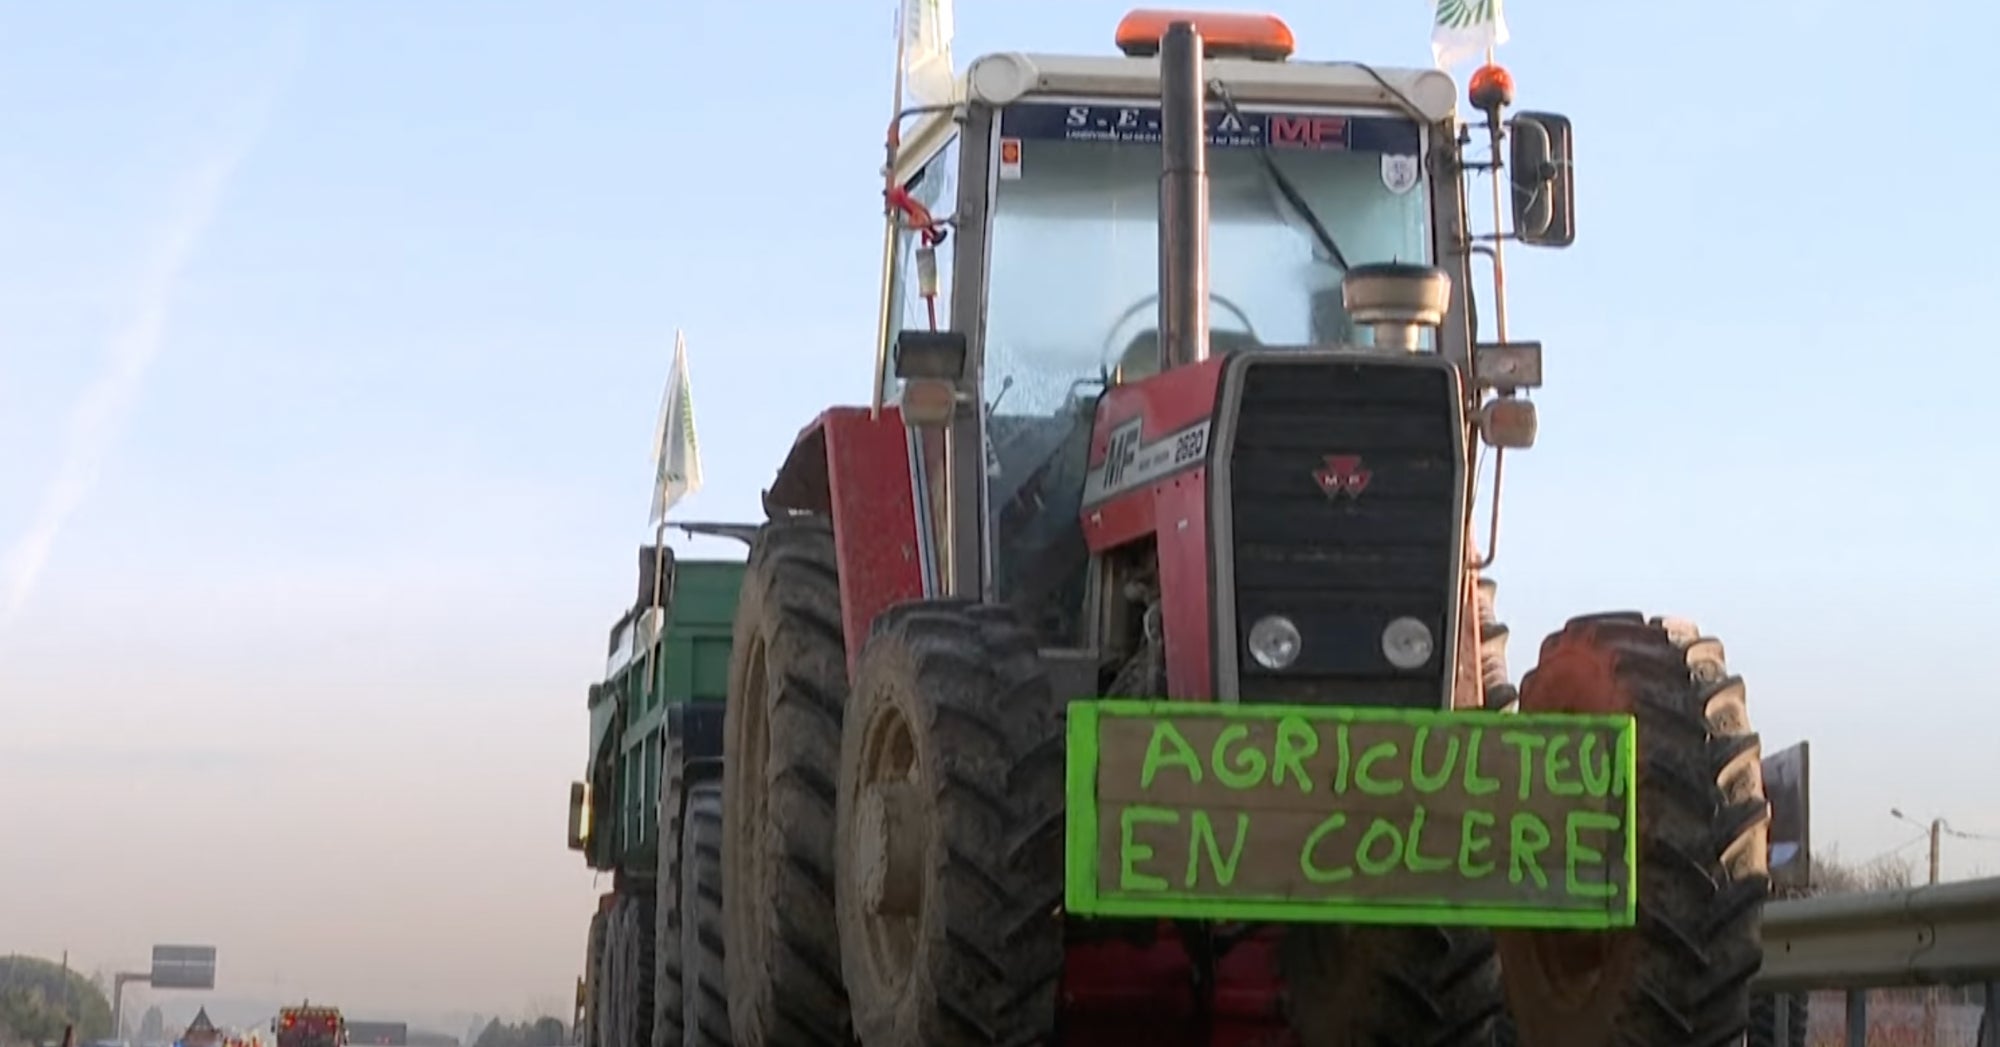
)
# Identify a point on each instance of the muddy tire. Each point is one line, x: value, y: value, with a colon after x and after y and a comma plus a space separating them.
x: 1681, y: 978
x: 630, y: 947
x: 1384, y: 986
x: 667, y: 991
x: 611, y: 993
x: 951, y: 832
x: 639, y: 941
x: 706, y: 1007
x: 781, y: 754
x: 1764, y: 1010
x: 594, y: 975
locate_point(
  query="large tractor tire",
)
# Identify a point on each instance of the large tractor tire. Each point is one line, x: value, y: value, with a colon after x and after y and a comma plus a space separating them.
x: 667, y: 991
x: 640, y: 979
x: 1391, y: 986
x: 611, y: 1003
x: 1681, y: 978
x: 594, y: 974
x: 629, y: 999
x: 781, y: 755
x: 951, y: 832
x: 1764, y: 1010
x: 706, y: 1010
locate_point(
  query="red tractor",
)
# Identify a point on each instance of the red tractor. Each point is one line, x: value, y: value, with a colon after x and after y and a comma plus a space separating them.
x: 1066, y: 676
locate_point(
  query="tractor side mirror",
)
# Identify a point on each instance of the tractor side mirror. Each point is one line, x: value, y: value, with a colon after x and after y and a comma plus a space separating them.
x: 579, y: 805
x: 1542, y: 163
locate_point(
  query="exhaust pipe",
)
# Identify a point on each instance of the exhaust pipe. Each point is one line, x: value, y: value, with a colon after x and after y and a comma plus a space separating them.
x: 1183, y: 198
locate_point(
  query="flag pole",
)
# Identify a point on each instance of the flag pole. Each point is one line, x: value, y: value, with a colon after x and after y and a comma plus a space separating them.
x: 892, y: 145
x: 660, y: 525
x: 659, y: 562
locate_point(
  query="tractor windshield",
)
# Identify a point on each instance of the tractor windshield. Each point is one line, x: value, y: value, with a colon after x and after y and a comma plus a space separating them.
x: 1074, y: 278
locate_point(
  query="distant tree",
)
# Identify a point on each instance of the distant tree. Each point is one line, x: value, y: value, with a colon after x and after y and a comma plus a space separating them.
x: 547, y: 1032
x: 495, y: 1034
x: 1833, y: 876
x: 153, y: 1027
x: 544, y: 1031
x: 38, y: 998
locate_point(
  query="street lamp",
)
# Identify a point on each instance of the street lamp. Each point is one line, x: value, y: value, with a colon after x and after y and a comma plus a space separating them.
x: 1936, y: 830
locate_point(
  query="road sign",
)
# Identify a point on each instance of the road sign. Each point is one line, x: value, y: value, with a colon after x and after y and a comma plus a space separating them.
x: 183, y: 967
x: 1788, y: 786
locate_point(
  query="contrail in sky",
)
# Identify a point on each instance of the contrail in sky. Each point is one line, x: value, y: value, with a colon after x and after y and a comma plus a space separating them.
x: 100, y: 412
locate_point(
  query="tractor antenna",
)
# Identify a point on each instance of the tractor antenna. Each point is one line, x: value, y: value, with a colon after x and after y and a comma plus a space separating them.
x: 1183, y: 198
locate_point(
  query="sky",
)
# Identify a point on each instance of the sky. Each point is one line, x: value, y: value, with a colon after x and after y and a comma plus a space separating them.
x: 332, y: 338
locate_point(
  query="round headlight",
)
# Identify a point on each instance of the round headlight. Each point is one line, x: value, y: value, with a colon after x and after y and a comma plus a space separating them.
x: 1407, y: 643
x: 1274, y: 641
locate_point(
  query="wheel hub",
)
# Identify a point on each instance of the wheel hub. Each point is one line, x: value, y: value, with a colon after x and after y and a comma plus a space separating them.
x: 891, y: 849
x: 890, y: 842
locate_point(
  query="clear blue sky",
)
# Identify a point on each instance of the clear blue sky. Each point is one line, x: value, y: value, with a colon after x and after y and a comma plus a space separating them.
x: 332, y: 335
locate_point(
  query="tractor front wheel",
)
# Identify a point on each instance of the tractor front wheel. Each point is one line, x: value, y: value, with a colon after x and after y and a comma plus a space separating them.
x: 1369, y: 986
x: 1681, y: 978
x: 950, y: 847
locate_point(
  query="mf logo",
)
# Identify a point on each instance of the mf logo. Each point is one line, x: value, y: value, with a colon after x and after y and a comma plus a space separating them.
x: 1120, y: 452
x: 1343, y: 474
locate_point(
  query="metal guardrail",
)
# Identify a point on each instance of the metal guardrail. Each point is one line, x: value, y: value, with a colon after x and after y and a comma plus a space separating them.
x: 1943, y: 935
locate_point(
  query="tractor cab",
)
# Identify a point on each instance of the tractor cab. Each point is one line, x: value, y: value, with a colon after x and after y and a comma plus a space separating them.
x: 1026, y: 280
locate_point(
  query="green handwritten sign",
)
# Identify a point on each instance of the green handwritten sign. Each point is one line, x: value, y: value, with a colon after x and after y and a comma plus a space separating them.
x: 1282, y: 813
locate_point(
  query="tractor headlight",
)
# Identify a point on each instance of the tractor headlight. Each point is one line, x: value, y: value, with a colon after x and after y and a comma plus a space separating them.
x: 1274, y: 641
x: 1407, y: 643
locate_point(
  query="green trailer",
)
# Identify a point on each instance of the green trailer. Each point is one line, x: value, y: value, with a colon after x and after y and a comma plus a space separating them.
x: 649, y: 810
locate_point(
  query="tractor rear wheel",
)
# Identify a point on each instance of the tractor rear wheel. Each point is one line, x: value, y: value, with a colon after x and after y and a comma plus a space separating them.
x: 781, y: 753
x: 1391, y: 986
x: 951, y: 832
x: 1682, y: 976
x: 706, y: 1010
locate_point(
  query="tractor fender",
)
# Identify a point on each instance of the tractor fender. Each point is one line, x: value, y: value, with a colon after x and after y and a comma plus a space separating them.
x: 854, y: 468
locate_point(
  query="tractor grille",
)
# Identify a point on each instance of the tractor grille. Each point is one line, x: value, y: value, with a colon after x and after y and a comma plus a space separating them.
x: 1341, y: 566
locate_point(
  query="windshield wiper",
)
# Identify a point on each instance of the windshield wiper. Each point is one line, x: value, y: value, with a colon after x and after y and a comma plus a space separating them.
x: 1285, y: 187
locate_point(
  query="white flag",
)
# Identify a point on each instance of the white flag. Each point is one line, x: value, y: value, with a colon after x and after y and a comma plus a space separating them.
x: 676, y: 453
x: 926, y: 48
x: 1463, y: 30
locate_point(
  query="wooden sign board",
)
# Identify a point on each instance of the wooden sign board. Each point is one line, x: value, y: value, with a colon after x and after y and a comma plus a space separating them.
x: 1213, y: 811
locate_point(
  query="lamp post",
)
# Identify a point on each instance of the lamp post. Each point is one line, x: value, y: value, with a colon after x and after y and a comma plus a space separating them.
x: 1936, y: 829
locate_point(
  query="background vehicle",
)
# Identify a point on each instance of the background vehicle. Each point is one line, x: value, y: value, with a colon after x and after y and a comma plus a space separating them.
x: 650, y: 805
x: 310, y: 1026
